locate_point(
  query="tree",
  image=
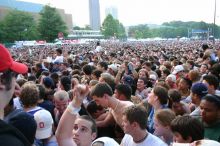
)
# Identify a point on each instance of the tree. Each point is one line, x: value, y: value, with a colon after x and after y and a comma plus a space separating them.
x: 112, y: 28
x: 139, y: 31
x: 77, y: 28
x: 87, y: 27
x: 121, y: 31
x: 18, y: 25
x: 50, y: 24
x: 171, y: 29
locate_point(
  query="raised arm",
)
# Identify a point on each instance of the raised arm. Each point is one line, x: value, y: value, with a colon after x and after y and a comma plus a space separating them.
x: 66, y: 124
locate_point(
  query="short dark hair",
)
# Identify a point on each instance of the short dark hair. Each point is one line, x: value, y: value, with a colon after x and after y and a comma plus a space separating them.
x: 97, y: 73
x: 205, y: 46
x: 42, y: 91
x: 103, y: 64
x: 166, y: 71
x: 59, y: 50
x: 136, y: 113
x: 100, y: 89
x: 188, y: 126
x: 32, y: 78
x: 87, y: 69
x: 211, y: 80
x: 161, y: 93
x: 215, y: 99
x: 39, y: 65
x: 66, y: 82
x: 90, y: 119
x: 188, y: 81
x: 147, y: 63
x: 92, y: 107
x: 174, y: 95
x: 125, y: 90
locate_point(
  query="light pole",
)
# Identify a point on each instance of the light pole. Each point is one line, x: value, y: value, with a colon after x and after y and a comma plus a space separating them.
x: 214, y: 23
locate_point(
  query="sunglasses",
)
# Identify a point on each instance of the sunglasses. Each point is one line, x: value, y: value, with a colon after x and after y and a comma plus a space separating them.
x: 6, y: 78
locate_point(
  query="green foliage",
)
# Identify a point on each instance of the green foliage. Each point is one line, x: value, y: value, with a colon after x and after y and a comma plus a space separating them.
x: 50, y: 24
x: 139, y: 31
x: 17, y: 25
x: 171, y: 29
x: 87, y: 27
x: 113, y: 28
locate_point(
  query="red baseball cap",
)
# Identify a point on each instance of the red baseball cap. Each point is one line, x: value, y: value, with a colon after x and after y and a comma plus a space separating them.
x: 6, y: 62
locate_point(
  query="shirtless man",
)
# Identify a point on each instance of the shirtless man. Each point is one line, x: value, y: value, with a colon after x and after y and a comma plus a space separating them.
x: 102, y: 94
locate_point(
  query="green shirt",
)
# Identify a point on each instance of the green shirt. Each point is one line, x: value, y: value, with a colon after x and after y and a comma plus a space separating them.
x: 213, y: 131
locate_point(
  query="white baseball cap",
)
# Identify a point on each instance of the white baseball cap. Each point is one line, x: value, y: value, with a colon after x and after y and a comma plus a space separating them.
x: 153, y: 77
x: 107, y: 141
x: 114, y: 67
x: 44, y: 124
x: 177, y: 69
x: 172, y: 77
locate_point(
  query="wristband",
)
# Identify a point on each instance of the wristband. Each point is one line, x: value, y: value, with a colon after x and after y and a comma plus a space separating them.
x: 73, y: 110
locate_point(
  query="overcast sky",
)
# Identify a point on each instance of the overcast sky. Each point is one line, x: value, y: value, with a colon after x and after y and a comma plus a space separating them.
x: 132, y: 12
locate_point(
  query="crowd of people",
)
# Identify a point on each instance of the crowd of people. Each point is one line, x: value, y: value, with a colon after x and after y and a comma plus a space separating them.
x: 157, y: 93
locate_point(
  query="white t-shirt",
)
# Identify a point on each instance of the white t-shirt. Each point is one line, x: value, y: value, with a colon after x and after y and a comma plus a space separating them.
x: 58, y: 59
x: 98, y: 49
x: 151, y: 140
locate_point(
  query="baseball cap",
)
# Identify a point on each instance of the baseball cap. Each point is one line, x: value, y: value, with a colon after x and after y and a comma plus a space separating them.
x: 107, y: 141
x: 129, y: 80
x: 44, y: 124
x: 153, y: 77
x: 6, y: 62
x: 172, y: 77
x: 114, y: 67
x: 200, y: 89
x: 177, y: 69
x: 48, y: 82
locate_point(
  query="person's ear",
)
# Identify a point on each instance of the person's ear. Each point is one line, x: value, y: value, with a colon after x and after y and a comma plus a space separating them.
x: 189, y: 139
x: 156, y: 98
x: 105, y: 96
x: 94, y: 135
x: 135, y: 125
x: 167, y: 127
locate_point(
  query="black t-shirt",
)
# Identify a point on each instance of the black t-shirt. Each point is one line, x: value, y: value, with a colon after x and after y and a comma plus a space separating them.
x: 10, y: 136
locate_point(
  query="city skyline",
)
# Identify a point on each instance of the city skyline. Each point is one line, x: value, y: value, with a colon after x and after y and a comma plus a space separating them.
x: 112, y: 10
x: 94, y: 14
x: 142, y: 11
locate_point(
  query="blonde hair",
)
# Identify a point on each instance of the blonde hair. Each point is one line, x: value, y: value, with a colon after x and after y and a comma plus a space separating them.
x: 165, y: 116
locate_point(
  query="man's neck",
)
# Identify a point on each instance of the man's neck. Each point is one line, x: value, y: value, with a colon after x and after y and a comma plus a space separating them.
x: 157, y: 106
x: 168, y: 137
x: 140, y: 136
x: 113, y: 102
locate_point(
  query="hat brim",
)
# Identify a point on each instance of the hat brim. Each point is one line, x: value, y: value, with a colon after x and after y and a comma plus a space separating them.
x: 43, y: 134
x: 174, y: 72
x: 19, y: 67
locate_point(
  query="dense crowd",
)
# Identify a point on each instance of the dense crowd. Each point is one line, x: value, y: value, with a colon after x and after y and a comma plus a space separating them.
x: 157, y: 93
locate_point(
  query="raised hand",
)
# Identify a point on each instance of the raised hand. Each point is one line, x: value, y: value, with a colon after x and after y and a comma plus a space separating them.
x: 79, y: 94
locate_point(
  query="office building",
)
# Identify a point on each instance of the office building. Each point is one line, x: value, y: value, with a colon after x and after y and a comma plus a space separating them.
x: 94, y: 14
x: 33, y: 9
x: 113, y: 11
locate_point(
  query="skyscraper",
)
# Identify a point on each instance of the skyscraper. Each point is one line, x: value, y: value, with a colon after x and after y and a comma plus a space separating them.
x: 94, y: 14
x: 113, y: 11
